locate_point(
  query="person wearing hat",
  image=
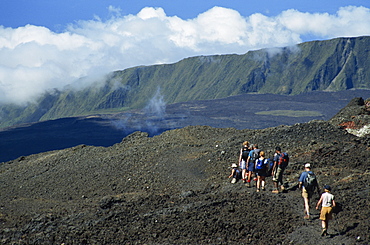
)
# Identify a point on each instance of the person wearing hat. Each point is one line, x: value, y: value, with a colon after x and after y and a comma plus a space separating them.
x: 308, y: 183
x: 326, y: 214
x: 235, y: 173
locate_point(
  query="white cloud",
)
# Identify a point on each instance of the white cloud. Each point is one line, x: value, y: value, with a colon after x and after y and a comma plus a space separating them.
x: 34, y: 59
x: 115, y: 11
x: 347, y: 22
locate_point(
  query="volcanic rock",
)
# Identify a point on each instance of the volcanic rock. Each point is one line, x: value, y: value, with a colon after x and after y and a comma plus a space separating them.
x: 173, y: 189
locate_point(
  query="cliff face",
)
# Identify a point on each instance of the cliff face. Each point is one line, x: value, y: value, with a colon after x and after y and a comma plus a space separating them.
x: 173, y: 189
x: 332, y: 65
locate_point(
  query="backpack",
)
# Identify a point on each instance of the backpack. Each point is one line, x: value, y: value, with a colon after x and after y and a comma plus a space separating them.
x: 270, y: 166
x: 261, y: 164
x: 310, y: 181
x: 245, y: 153
x: 283, y: 160
x: 255, y: 155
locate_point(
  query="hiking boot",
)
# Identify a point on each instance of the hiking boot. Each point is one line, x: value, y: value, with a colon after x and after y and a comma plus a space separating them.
x: 276, y: 191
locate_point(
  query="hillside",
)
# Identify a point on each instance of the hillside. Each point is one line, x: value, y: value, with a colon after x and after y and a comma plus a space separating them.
x: 173, y: 189
x: 331, y: 65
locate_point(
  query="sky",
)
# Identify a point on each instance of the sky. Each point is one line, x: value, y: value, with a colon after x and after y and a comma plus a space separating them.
x: 47, y: 44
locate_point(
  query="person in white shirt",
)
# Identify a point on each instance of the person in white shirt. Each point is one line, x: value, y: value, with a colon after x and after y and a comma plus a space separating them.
x: 326, y: 214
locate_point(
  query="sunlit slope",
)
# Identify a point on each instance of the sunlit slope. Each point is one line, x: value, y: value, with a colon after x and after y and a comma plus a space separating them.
x: 332, y: 65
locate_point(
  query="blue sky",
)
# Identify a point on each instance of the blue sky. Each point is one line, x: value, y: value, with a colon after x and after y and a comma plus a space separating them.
x: 46, y: 44
x: 56, y: 14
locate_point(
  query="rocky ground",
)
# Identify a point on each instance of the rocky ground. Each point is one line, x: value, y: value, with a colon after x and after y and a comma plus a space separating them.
x: 173, y: 188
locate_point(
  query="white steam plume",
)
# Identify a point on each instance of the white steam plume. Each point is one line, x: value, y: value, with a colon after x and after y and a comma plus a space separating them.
x: 156, y: 106
x: 150, y: 119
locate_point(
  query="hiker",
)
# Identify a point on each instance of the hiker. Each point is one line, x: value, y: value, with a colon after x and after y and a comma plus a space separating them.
x: 308, y: 183
x: 253, y: 156
x: 235, y: 173
x: 326, y: 214
x: 281, y: 160
x: 261, y: 171
x: 243, y: 156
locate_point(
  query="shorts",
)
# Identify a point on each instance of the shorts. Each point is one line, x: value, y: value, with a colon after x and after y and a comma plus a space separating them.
x: 243, y: 165
x: 326, y: 213
x: 251, y: 166
x: 278, y: 175
x: 261, y: 173
x: 306, y: 194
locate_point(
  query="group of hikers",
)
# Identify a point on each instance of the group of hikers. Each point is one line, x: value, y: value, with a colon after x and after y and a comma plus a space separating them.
x: 253, y: 161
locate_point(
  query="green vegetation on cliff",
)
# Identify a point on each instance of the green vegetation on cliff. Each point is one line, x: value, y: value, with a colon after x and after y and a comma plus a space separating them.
x: 332, y: 65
